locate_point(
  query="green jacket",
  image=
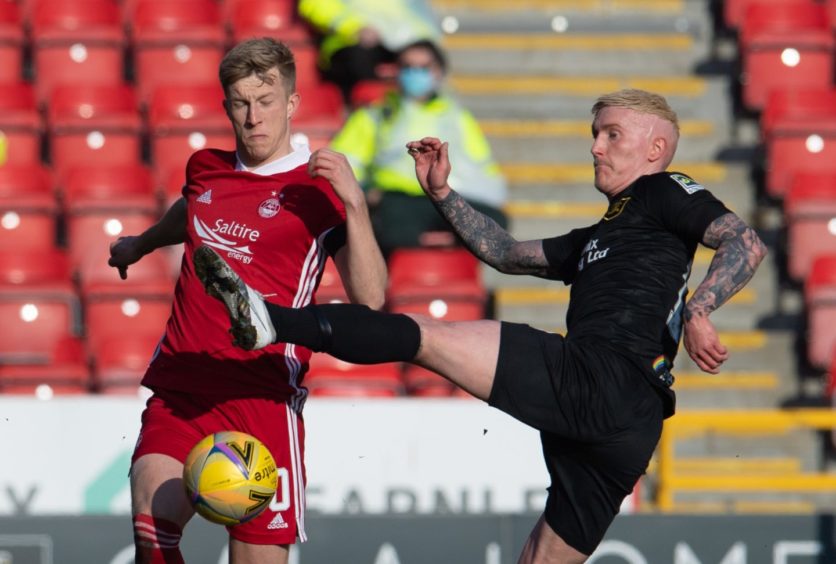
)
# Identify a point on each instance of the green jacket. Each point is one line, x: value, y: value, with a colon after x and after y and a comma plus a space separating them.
x: 399, y: 22
x: 374, y: 140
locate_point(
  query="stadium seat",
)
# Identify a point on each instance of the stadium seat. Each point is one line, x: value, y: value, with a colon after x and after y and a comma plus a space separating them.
x: 33, y: 326
x: 734, y: 10
x: 127, y: 316
x: 28, y: 208
x: 176, y: 43
x: 797, y: 110
x: 422, y: 382
x: 792, y: 151
x: 259, y: 18
x: 442, y: 283
x: 65, y: 372
x: 42, y: 273
x: 93, y: 124
x: 810, y: 217
x: 77, y: 41
x: 120, y: 361
x: 21, y: 126
x: 331, y: 289
x: 102, y: 188
x: 784, y: 45
x: 820, y: 298
x: 11, y: 42
x: 329, y: 376
x: 89, y: 239
x: 182, y: 120
x: 320, y: 110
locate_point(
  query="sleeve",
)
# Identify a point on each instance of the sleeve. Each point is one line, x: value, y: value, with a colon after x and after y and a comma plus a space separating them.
x: 564, y: 252
x: 330, y: 16
x: 682, y: 205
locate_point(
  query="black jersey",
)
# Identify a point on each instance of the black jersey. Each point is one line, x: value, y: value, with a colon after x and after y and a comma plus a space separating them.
x: 629, y: 272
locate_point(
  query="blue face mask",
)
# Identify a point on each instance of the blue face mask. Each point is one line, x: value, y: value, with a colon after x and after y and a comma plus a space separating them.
x: 416, y: 82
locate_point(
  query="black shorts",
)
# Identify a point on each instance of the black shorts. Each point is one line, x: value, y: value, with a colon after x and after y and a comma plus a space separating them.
x: 599, y: 421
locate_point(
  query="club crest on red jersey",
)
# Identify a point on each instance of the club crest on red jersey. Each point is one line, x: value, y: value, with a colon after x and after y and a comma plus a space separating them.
x: 269, y: 208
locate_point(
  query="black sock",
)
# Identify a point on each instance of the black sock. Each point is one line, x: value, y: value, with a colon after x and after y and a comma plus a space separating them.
x: 350, y: 332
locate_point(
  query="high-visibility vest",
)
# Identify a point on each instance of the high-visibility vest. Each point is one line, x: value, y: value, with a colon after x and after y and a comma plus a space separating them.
x: 374, y: 140
x: 399, y: 22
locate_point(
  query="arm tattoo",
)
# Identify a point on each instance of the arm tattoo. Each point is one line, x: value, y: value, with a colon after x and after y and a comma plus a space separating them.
x: 739, y: 252
x: 489, y: 242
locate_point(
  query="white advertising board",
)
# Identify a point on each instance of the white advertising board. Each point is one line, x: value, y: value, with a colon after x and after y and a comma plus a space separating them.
x: 71, y: 456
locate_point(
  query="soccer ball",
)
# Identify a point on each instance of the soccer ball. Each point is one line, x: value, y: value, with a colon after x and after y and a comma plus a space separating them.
x: 230, y: 477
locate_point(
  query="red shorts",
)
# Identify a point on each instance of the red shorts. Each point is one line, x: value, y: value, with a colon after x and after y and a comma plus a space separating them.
x: 173, y: 422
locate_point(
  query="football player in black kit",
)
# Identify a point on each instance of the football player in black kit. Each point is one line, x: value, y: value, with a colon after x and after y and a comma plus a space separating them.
x: 599, y: 394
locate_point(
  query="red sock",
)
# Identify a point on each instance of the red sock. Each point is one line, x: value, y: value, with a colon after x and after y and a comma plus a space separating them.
x: 157, y: 541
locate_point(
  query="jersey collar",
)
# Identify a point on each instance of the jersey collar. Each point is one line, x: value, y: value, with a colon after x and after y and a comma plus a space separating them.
x: 300, y: 155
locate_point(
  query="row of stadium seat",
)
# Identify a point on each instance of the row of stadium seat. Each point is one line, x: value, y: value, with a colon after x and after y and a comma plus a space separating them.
x: 786, y: 43
x: 90, y: 125
x: 64, y: 334
x: 147, y: 41
x: 787, y: 74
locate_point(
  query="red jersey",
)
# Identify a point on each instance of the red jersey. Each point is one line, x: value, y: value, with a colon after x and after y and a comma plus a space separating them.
x: 269, y: 225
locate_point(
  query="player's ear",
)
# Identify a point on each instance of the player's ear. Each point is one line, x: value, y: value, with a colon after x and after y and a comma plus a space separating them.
x: 658, y: 148
x: 293, y: 104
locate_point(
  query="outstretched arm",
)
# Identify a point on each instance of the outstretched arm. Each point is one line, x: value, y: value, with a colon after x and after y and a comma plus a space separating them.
x: 169, y: 230
x: 359, y: 262
x: 739, y: 251
x: 483, y: 236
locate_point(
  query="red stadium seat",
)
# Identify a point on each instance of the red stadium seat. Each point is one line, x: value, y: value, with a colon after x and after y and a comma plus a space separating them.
x: 331, y: 289
x: 797, y: 110
x: 368, y: 92
x: 65, y: 372
x: 810, y: 210
x: 126, y: 316
x: 792, y: 151
x: 20, y: 124
x: 332, y: 377
x: 259, y: 18
x: 820, y: 298
x: 120, y: 362
x: 421, y: 382
x: 441, y: 283
x: 176, y: 43
x: 42, y: 273
x: 33, y: 326
x: 182, y: 120
x: 734, y: 10
x: 125, y: 188
x: 75, y: 41
x: 89, y: 239
x: 784, y: 45
x: 320, y: 110
x: 28, y: 209
x: 94, y: 124
x: 11, y: 42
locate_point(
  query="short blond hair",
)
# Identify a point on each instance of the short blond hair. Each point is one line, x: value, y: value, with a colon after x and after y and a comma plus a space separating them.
x: 640, y: 101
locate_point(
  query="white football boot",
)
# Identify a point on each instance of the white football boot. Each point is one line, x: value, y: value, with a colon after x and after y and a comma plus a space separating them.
x: 251, y: 325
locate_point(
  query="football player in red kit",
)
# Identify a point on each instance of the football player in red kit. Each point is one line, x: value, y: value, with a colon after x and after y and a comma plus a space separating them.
x: 275, y: 212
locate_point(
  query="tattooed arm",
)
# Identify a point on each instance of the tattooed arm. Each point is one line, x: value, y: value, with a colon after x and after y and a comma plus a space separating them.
x: 483, y: 236
x: 739, y: 251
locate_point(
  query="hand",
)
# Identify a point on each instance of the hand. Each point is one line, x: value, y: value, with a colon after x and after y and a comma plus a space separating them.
x: 432, y: 166
x: 335, y: 168
x: 123, y: 252
x: 703, y: 344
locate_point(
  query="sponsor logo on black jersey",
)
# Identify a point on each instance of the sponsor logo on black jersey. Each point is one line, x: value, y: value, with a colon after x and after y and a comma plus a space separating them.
x: 688, y: 184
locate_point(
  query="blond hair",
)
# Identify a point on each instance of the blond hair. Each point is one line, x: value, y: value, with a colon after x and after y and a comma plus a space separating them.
x: 258, y: 56
x: 640, y: 101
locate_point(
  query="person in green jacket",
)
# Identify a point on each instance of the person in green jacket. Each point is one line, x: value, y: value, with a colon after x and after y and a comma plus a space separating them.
x: 359, y: 37
x: 373, y: 138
